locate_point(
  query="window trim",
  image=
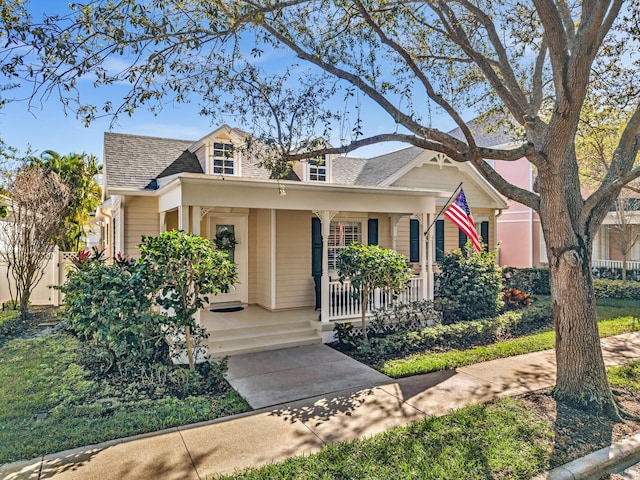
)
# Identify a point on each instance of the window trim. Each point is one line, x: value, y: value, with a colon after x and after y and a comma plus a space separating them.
x: 227, y: 157
x: 361, y: 222
x: 312, y: 163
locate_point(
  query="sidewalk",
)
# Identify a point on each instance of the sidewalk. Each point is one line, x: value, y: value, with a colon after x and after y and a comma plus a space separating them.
x: 302, y: 427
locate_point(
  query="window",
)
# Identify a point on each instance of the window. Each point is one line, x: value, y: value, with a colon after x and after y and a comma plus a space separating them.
x: 341, y: 235
x: 222, y: 159
x: 317, y: 169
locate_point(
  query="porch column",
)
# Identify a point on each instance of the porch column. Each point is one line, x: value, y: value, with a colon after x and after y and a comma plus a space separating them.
x: 163, y: 222
x: 430, y: 250
x: 424, y: 224
x: 325, y: 217
x: 195, y: 219
x: 183, y: 218
x: 393, y: 227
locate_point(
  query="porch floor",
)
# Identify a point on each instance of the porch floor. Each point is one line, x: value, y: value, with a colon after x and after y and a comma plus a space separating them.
x: 255, y: 329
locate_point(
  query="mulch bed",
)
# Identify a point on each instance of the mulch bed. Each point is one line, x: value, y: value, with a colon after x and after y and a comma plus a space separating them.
x: 577, y: 432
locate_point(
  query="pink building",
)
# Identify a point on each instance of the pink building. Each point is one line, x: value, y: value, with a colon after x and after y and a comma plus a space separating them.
x: 518, y: 228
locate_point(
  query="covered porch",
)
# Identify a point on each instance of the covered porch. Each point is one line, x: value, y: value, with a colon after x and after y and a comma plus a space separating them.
x: 276, y: 253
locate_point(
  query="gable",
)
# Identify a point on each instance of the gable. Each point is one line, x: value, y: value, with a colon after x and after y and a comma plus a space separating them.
x: 442, y: 173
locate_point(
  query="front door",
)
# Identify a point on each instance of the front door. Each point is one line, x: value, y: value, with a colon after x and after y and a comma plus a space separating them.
x: 226, y: 227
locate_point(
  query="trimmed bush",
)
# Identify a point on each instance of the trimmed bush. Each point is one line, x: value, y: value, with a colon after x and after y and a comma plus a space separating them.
x: 443, y: 337
x: 615, y: 273
x: 616, y: 289
x: 469, y: 286
x: 534, y: 281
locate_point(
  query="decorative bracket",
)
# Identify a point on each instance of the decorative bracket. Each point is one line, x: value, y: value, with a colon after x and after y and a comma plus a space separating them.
x: 203, y: 212
x: 321, y: 214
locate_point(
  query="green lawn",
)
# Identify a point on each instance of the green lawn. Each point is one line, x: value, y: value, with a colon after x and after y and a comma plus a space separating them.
x: 43, y: 375
x: 616, y: 317
x: 6, y: 315
x: 499, y: 440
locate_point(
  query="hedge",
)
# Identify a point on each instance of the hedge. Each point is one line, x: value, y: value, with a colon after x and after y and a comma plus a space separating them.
x: 616, y: 289
x: 457, y: 335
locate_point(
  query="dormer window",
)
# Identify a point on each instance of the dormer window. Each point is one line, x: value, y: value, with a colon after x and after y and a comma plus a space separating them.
x: 317, y: 169
x: 222, y: 159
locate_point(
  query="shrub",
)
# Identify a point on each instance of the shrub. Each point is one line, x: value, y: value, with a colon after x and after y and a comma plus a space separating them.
x: 515, y: 299
x: 396, y: 318
x: 616, y: 289
x: 452, y: 336
x: 368, y: 267
x: 469, y: 286
x: 615, y: 273
x: 184, y: 269
x: 110, y: 307
x: 534, y: 281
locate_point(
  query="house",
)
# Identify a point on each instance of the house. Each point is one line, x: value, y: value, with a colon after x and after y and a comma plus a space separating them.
x: 289, y: 232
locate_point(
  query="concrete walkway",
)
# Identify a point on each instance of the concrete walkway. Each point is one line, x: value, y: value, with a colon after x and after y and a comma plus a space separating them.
x: 304, y: 426
x: 277, y: 377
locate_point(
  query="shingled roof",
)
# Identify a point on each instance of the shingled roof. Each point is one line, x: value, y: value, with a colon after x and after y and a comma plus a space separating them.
x: 488, y: 132
x: 378, y: 169
x: 134, y: 161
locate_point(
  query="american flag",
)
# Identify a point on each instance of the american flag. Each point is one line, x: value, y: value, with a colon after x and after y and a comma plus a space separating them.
x: 459, y: 213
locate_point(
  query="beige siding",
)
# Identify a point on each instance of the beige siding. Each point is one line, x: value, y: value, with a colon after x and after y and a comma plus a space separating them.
x: 140, y: 218
x: 384, y: 233
x: 294, y: 284
x: 446, y: 178
x: 171, y: 221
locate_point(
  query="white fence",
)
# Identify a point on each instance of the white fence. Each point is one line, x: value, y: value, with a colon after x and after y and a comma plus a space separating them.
x: 615, y: 264
x: 44, y: 293
x: 344, y: 302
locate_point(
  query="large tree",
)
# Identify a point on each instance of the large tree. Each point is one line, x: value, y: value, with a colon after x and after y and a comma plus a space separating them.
x: 530, y: 62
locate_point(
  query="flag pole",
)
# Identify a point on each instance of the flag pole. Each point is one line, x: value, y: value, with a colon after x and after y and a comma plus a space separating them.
x: 442, y: 210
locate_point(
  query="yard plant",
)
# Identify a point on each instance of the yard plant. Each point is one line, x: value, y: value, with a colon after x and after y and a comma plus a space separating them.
x: 368, y: 267
x: 184, y: 269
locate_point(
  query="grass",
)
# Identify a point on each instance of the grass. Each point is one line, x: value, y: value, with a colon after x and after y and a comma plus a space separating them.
x: 6, y: 315
x: 503, y: 439
x: 42, y: 375
x: 626, y: 377
x: 499, y: 440
x: 616, y: 317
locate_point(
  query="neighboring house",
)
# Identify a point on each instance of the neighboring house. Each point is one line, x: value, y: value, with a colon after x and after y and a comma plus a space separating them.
x: 289, y: 231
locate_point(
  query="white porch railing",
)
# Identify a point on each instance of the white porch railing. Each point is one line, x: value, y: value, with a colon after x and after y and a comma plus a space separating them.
x: 614, y: 264
x: 345, y: 303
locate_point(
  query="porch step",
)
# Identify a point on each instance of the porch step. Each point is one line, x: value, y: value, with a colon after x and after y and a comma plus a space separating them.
x: 236, y: 345
x: 249, y: 331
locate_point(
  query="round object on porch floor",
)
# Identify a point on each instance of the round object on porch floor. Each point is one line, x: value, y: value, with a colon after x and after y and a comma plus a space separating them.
x: 226, y: 309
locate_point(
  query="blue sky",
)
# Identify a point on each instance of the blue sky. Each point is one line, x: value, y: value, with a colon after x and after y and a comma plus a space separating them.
x: 44, y: 125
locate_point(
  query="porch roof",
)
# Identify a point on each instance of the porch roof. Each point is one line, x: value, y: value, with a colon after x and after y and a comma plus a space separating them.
x: 217, y: 191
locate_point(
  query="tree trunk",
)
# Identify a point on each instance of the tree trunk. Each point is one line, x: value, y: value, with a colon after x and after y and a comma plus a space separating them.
x: 581, y: 375
x: 188, y: 346
x: 24, y: 303
x: 624, y: 268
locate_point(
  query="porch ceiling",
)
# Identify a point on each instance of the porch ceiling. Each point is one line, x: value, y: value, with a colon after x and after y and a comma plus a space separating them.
x: 208, y: 191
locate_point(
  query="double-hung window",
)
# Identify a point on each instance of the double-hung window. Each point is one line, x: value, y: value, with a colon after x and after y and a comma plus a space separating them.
x: 341, y: 235
x: 222, y: 159
x: 317, y: 169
